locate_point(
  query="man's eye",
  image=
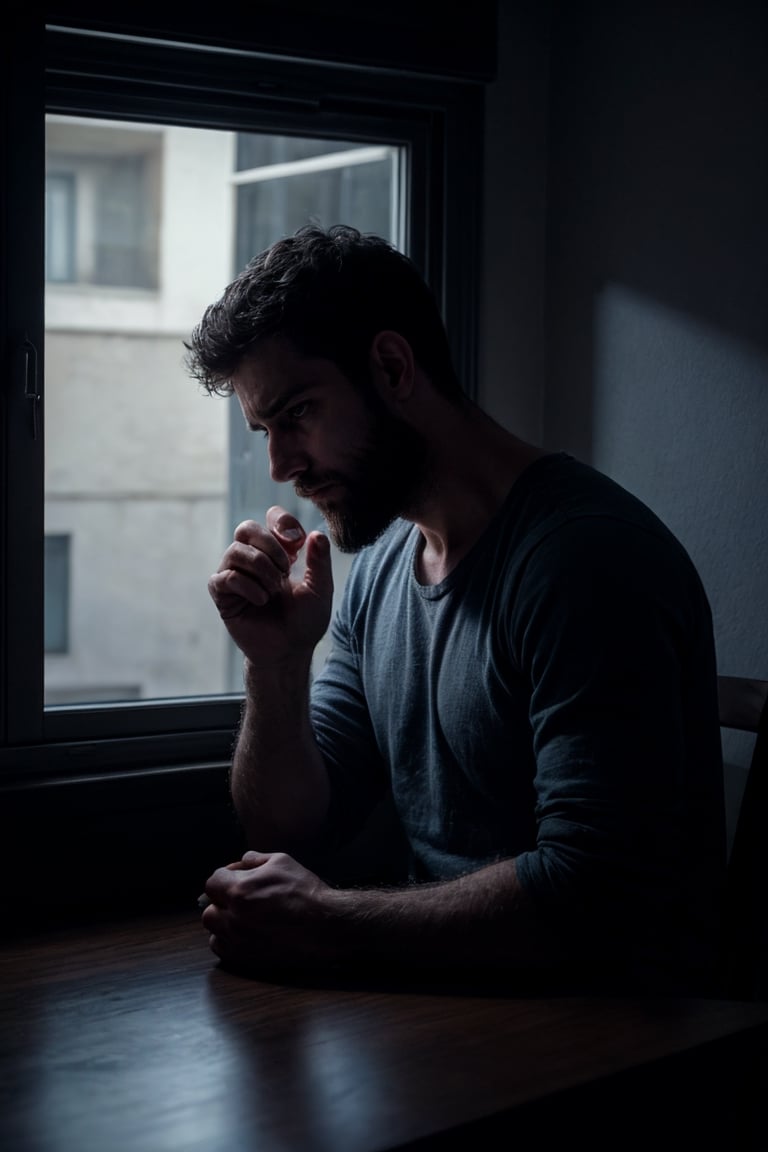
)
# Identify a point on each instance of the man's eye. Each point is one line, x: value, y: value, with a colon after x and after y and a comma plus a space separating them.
x: 298, y: 410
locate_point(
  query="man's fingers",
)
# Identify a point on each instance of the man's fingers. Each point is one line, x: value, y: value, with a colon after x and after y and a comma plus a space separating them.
x: 286, y: 529
x: 283, y: 523
x: 219, y: 885
x: 254, y: 567
x: 252, y: 539
x: 318, y: 572
x: 252, y: 571
x: 232, y: 592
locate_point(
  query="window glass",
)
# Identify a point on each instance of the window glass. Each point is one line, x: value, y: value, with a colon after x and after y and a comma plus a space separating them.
x: 145, y: 225
x: 56, y: 593
x: 60, y: 235
x: 103, y: 203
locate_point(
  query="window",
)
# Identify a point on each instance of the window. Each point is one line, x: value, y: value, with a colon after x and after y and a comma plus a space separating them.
x: 102, y: 204
x: 56, y: 606
x: 60, y: 234
x: 153, y: 172
x: 139, y: 466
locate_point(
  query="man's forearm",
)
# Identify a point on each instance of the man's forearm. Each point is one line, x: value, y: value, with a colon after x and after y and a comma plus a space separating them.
x: 483, y: 919
x: 279, y: 782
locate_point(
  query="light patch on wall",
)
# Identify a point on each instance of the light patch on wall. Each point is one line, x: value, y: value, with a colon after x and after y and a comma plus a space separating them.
x: 680, y: 417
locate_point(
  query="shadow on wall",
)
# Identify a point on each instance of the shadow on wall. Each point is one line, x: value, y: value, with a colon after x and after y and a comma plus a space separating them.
x: 658, y: 281
x: 658, y: 176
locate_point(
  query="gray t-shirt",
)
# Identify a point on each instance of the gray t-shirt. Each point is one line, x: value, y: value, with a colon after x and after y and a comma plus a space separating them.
x: 554, y: 700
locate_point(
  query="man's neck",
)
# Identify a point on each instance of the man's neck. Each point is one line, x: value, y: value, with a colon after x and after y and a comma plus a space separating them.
x: 475, y: 462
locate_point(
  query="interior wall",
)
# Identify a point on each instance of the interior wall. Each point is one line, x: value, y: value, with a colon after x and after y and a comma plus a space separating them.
x: 658, y: 280
x: 651, y: 361
x: 511, y: 315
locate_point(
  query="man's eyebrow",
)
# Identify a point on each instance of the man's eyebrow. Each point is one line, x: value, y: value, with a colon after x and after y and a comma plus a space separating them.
x: 283, y: 401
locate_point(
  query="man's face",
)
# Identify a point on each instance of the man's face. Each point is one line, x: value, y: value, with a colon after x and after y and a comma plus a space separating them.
x: 337, y: 443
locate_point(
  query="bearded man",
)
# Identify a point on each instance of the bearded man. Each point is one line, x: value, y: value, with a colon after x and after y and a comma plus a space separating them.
x: 523, y: 662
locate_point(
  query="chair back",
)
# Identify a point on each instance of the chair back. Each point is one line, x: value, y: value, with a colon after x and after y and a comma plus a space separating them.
x: 743, y: 704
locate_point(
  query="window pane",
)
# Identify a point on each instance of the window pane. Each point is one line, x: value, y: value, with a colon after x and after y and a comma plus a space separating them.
x: 125, y: 242
x: 111, y: 180
x: 60, y: 226
x: 146, y: 224
x: 56, y: 593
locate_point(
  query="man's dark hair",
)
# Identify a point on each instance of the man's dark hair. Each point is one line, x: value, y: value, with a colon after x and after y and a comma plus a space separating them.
x: 329, y: 292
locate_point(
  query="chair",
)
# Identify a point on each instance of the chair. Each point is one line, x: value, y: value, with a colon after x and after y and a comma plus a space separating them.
x: 743, y: 705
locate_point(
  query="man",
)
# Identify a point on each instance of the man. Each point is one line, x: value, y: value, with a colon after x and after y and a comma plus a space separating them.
x: 523, y: 659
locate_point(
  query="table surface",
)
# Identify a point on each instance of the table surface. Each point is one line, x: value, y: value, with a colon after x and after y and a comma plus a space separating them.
x: 129, y: 1037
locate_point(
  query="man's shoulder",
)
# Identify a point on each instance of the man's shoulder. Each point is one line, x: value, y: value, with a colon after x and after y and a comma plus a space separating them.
x: 558, y: 491
x: 579, y: 527
x: 566, y: 521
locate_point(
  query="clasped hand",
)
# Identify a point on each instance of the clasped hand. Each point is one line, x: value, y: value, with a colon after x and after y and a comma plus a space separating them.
x: 268, y: 911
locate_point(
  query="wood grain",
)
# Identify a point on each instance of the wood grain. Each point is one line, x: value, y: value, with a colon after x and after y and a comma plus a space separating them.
x: 130, y: 1038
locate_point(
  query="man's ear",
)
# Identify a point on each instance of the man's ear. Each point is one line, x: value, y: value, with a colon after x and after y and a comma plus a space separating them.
x: 392, y: 366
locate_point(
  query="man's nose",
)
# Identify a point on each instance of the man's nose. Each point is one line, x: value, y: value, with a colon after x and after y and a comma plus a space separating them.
x: 286, y: 460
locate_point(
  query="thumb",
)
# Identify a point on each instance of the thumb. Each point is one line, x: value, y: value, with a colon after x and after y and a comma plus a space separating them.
x: 318, y: 572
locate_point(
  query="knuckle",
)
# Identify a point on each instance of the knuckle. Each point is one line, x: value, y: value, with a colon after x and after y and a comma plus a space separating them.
x: 246, y: 530
x: 238, y: 897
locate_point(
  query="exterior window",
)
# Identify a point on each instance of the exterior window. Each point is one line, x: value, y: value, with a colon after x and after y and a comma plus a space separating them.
x: 102, y: 204
x: 151, y: 476
x: 142, y: 175
x: 57, y: 593
x: 60, y: 237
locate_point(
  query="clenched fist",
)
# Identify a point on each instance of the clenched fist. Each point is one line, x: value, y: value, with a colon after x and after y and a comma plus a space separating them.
x: 271, y: 617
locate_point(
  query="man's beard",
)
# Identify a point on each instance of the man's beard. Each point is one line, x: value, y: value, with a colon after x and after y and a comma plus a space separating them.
x: 381, y: 481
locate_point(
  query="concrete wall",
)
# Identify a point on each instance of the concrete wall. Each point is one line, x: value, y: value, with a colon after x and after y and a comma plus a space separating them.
x: 136, y: 459
x: 136, y: 476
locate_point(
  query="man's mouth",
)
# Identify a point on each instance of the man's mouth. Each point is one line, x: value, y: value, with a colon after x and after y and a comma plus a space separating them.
x: 316, y: 493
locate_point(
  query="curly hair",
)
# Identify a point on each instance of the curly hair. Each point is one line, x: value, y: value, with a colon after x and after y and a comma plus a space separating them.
x: 329, y: 292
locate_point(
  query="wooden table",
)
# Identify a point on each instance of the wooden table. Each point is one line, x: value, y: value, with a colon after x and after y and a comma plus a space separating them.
x: 130, y: 1038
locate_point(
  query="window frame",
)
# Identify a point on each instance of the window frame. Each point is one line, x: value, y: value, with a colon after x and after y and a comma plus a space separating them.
x: 76, y: 72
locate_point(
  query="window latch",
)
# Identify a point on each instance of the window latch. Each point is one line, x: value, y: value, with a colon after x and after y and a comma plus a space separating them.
x: 31, y: 392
